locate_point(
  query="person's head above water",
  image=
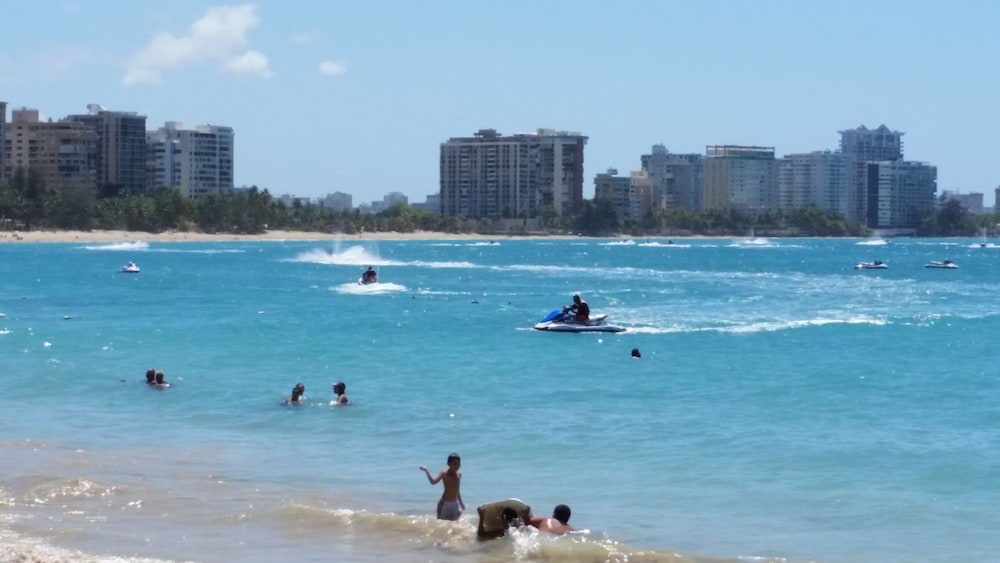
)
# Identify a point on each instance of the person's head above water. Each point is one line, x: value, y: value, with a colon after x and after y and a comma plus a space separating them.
x: 636, y: 353
x: 339, y: 388
x: 298, y: 391
x: 159, y: 377
x: 150, y: 376
x: 561, y: 513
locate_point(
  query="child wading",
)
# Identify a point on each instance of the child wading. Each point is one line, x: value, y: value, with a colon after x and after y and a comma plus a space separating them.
x: 450, y: 507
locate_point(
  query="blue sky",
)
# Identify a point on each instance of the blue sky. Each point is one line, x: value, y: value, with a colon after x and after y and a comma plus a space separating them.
x: 356, y: 97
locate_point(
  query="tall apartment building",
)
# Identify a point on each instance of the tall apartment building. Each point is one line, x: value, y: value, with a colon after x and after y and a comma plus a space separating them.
x: 197, y: 161
x: 121, y: 146
x: 740, y: 177
x: 3, y: 139
x: 512, y: 176
x: 819, y: 178
x: 861, y: 146
x: 338, y: 201
x: 616, y: 189
x: 899, y: 193
x: 63, y: 152
x: 677, y: 178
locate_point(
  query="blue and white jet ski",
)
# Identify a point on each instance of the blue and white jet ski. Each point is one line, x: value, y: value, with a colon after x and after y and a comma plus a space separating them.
x: 560, y: 321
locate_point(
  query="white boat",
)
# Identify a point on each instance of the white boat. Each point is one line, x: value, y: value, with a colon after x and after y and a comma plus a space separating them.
x: 559, y: 321
x: 876, y: 265
x: 130, y: 268
x: 943, y: 264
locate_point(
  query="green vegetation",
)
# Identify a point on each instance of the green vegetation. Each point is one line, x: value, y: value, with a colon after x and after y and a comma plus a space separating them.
x: 27, y: 203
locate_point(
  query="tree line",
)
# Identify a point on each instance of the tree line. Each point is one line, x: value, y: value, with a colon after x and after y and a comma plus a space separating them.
x: 27, y: 202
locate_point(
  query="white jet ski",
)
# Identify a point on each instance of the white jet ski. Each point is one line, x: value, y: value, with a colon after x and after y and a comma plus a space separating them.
x: 560, y: 321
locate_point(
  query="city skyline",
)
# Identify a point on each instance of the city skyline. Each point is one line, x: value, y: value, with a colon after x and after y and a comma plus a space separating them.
x: 319, y: 94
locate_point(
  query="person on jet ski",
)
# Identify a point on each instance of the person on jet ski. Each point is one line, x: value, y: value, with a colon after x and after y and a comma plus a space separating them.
x: 579, y: 308
x: 369, y: 276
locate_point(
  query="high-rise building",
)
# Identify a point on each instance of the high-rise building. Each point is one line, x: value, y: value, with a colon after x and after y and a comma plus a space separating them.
x: 64, y: 152
x: 3, y: 139
x: 512, y: 176
x: 899, y: 193
x: 616, y: 189
x: 338, y: 201
x: 739, y: 177
x: 972, y: 202
x: 861, y: 146
x: 677, y: 178
x: 819, y: 178
x: 197, y: 161
x: 121, y: 147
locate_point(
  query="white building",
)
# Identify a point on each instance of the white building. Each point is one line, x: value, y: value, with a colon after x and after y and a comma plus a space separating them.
x: 197, y: 161
x: 740, y: 177
x: 820, y: 178
x: 676, y: 178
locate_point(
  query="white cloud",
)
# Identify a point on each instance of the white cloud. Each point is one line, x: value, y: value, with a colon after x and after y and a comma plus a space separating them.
x: 332, y: 68
x: 219, y: 37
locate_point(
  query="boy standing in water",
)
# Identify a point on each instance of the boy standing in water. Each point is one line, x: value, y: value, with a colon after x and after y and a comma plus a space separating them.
x: 450, y: 506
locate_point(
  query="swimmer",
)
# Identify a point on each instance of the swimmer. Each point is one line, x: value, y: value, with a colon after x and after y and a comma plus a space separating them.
x: 558, y: 524
x: 298, y: 392
x: 636, y: 354
x: 159, y: 380
x: 151, y: 377
x: 339, y: 389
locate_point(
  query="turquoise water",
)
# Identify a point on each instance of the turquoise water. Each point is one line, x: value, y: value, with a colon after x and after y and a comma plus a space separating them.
x: 786, y: 407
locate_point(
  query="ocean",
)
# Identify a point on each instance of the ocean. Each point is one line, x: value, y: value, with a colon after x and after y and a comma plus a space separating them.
x: 787, y: 407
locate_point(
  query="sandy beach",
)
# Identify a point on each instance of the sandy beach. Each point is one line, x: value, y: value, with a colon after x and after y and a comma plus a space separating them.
x: 180, y: 236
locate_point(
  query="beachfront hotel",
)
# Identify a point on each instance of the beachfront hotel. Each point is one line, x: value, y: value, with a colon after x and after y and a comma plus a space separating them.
x: 121, y: 146
x: 64, y: 153
x: 196, y: 161
x: 740, y: 177
x: 517, y: 175
x: 819, y: 178
x: 899, y: 192
x: 863, y: 145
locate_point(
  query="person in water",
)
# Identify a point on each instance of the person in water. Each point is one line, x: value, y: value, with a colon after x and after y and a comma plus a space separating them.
x: 558, y: 524
x: 636, y: 353
x: 579, y: 308
x: 451, y: 506
x: 150, y: 377
x: 297, y: 393
x: 369, y: 276
x: 159, y: 380
x: 339, y: 389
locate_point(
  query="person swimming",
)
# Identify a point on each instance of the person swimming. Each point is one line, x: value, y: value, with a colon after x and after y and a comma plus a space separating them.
x: 151, y: 377
x: 340, y: 389
x: 159, y: 380
x: 297, y: 393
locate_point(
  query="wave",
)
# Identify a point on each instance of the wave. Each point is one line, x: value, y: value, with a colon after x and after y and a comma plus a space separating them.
x: 355, y: 288
x: 873, y: 242
x: 664, y: 244
x: 134, y: 245
x: 754, y: 327
x: 423, y: 532
x: 627, y: 242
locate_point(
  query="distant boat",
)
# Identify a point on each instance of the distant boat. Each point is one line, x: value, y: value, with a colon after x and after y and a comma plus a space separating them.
x: 942, y: 264
x: 130, y: 268
x: 876, y: 265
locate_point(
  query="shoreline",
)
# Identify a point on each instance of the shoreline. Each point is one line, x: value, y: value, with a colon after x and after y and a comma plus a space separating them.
x: 122, y: 236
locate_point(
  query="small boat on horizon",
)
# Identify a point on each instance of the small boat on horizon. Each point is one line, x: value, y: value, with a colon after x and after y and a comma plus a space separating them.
x: 942, y: 265
x: 130, y: 268
x: 876, y: 265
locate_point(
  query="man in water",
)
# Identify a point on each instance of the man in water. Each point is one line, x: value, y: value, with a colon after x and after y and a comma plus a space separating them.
x: 558, y: 524
x: 580, y: 310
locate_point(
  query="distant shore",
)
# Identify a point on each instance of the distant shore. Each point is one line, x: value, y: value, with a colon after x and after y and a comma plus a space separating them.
x: 181, y: 236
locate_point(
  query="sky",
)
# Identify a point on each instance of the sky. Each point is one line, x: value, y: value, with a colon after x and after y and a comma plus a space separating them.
x: 330, y: 95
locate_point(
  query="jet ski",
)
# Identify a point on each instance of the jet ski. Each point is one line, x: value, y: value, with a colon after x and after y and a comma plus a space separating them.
x: 368, y: 277
x: 130, y: 268
x: 561, y: 321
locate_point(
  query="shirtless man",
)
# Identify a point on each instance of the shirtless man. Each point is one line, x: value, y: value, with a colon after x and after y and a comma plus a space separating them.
x: 558, y: 524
